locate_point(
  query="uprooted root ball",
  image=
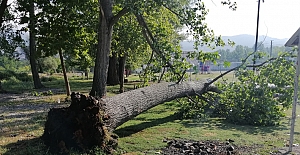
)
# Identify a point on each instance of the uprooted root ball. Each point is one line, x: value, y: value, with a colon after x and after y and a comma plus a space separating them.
x: 81, y: 126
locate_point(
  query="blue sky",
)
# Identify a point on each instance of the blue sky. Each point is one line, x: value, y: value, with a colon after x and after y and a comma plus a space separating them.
x: 278, y: 18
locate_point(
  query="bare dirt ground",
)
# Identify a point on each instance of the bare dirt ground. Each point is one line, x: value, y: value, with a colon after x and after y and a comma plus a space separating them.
x: 17, y: 97
x: 9, y: 97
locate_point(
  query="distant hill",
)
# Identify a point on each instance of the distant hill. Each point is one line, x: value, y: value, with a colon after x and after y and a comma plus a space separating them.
x: 243, y: 39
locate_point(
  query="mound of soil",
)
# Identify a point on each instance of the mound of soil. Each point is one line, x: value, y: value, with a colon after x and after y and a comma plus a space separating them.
x: 210, y: 147
x: 190, y: 147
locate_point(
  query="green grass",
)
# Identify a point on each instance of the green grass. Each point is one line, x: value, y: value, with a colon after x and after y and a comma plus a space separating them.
x: 20, y: 134
x: 198, y: 76
x: 146, y: 132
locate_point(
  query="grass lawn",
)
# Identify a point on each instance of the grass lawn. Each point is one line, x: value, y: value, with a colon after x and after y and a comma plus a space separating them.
x: 146, y: 132
x: 21, y: 126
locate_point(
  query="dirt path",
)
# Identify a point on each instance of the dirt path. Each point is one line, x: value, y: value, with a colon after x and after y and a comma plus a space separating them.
x: 9, y: 97
x: 18, y: 97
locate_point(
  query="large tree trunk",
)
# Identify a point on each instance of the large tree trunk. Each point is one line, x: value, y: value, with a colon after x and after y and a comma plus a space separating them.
x: 86, y: 73
x: 88, y: 122
x: 123, y: 107
x: 32, y: 49
x: 103, y: 50
x: 68, y: 89
x: 1, y: 89
x: 112, y: 75
x: 122, y: 61
x: 3, y: 7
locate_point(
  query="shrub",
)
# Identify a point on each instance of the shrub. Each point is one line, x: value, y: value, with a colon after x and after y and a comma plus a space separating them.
x: 5, y: 74
x: 254, y: 99
x: 47, y: 79
x: 196, y: 107
x: 24, y: 77
x: 258, y: 99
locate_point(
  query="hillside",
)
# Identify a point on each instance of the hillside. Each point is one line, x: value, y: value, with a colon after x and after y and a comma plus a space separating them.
x: 243, y: 39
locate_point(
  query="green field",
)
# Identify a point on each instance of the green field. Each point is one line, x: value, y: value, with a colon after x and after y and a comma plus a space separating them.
x: 22, y: 123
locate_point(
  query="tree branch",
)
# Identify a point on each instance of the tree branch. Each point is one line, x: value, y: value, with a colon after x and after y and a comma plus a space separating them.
x: 118, y: 16
x: 162, y: 74
x: 151, y: 40
x: 259, y: 65
x: 235, y: 68
x: 178, y: 15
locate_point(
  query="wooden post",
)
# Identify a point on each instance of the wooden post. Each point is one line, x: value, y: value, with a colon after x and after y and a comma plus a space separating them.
x: 295, y: 99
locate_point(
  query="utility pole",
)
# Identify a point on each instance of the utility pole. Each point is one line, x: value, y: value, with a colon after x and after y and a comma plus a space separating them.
x: 271, y: 49
x: 256, y: 37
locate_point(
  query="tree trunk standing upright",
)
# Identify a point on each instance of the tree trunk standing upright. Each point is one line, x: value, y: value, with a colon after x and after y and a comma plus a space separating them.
x: 32, y: 49
x: 1, y: 89
x: 103, y: 50
x: 112, y: 75
x: 121, y: 72
x: 87, y: 73
x: 3, y: 7
x: 64, y: 72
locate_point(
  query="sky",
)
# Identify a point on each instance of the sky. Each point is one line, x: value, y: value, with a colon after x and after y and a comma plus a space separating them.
x: 278, y: 18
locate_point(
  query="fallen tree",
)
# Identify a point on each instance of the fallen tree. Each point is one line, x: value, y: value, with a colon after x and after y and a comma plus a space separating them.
x: 88, y: 122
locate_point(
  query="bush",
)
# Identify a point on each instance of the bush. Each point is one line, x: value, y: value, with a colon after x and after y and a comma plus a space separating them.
x: 258, y: 99
x: 254, y: 99
x: 24, y: 77
x: 7, y: 74
x: 196, y: 107
x: 47, y: 79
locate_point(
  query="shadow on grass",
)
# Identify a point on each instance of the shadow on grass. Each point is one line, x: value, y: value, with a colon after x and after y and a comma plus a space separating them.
x: 132, y: 129
x: 23, y: 117
x: 20, y: 124
x: 27, y: 147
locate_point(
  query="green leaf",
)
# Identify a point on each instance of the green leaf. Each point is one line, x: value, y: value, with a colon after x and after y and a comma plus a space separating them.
x: 227, y: 64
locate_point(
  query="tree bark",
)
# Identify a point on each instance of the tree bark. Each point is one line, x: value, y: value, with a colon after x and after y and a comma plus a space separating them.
x: 1, y: 89
x: 86, y: 74
x: 88, y: 122
x: 125, y: 106
x: 32, y: 49
x: 112, y: 75
x: 103, y: 50
x: 106, y: 20
x: 3, y: 7
x: 63, y: 67
x: 122, y: 61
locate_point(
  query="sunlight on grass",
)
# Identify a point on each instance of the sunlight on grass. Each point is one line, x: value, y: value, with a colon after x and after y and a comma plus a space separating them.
x: 22, y: 127
x: 146, y: 134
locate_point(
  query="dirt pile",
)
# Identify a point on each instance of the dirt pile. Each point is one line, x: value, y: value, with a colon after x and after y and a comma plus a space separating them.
x: 190, y: 147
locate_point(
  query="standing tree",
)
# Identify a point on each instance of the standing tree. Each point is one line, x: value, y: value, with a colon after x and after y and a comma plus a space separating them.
x: 127, y: 43
x: 23, y: 7
x: 67, y: 26
x: 186, y: 13
x: 32, y: 47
